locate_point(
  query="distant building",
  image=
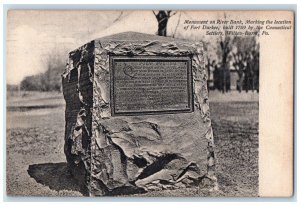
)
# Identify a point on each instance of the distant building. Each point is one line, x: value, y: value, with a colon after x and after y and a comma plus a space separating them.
x: 234, y: 78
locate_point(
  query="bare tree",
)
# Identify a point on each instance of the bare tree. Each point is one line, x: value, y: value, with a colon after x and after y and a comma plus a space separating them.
x: 225, y: 48
x: 239, y: 64
x: 55, y: 63
x: 246, y: 62
x: 162, y: 19
x: 211, y: 64
x: 50, y: 80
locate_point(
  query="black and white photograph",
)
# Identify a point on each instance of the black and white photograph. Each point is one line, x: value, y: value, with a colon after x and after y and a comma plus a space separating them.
x: 149, y: 103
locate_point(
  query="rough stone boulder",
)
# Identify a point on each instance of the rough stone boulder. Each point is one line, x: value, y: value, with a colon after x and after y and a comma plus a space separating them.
x: 111, y: 155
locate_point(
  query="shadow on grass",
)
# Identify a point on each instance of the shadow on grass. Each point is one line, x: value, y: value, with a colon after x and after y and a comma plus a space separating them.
x: 57, y: 177
x: 54, y: 175
x: 29, y: 108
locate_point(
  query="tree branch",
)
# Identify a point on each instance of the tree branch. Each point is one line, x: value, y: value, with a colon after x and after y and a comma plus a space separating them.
x: 156, y: 15
x: 172, y: 14
x: 177, y: 24
x: 118, y: 18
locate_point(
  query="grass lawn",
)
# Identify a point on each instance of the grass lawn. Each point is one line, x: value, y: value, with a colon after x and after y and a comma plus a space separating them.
x: 35, y: 136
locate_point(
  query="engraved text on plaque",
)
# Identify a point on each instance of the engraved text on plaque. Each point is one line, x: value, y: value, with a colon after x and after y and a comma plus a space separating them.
x: 146, y: 85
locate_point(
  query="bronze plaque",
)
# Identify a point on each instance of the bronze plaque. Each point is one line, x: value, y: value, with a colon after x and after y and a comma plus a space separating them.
x: 150, y: 85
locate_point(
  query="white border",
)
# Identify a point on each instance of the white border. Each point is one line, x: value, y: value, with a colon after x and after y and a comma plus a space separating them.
x: 216, y: 201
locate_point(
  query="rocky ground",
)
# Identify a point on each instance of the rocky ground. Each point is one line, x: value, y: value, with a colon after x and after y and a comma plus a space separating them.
x: 35, y: 161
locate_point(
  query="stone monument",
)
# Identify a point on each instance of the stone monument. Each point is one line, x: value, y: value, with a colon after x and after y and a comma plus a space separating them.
x: 137, y: 115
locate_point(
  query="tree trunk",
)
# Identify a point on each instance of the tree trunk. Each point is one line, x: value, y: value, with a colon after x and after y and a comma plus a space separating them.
x: 162, y: 18
x: 224, y: 72
x: 208, y: 74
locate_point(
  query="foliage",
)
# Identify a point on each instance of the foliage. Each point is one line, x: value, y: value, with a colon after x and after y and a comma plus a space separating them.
x: 50, y: 80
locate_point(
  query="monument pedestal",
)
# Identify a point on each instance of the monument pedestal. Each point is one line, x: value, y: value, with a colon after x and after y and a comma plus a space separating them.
x: 137, y: 115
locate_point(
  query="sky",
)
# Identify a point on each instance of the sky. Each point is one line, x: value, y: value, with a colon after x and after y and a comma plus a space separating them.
x: 34, y: 35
